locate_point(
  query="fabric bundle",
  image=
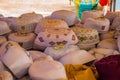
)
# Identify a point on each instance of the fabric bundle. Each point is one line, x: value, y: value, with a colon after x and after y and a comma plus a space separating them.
x: 79, y: 72
x: 109, y: 68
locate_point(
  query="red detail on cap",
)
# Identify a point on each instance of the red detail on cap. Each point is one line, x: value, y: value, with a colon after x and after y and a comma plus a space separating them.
x: 51, y: 43
x: 41, y: 39
x: 104, y: 2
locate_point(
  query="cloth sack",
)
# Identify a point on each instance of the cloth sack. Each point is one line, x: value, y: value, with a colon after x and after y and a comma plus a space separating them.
x: 79, y: 72
x: 109, y: 68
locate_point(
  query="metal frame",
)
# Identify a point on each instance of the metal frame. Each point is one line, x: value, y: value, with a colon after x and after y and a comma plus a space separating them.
x: 112, y: 5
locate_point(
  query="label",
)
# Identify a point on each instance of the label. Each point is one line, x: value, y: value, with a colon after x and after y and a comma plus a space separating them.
x: 111, y: 32
x: 58, y: 47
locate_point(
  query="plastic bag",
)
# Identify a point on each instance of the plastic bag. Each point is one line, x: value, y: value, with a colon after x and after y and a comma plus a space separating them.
x: 84, y: 5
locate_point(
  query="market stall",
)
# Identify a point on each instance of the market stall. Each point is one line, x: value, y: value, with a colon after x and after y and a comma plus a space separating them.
x: 59, y: 40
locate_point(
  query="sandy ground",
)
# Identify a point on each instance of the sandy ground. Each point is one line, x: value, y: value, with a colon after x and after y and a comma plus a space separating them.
x: 45, y: 7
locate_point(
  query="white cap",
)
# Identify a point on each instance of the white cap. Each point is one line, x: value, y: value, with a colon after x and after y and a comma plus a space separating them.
x: 56, y: 37
x: 47, y: 70
x: 77, y: 57
x: 16, y: 59
x: 67, y: 16
x: 4, y: 28
x: 108, y: 43
x: 37, y: 55
x: 59, y: 51
x: 50, y: 23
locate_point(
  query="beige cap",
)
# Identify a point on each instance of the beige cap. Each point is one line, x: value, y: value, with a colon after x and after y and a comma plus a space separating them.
x: 4, y: 28
x: 33, y: 16
x: 108, y: 43
x: 25, y: 40
x: 101, y: 24
x: 50, y: 23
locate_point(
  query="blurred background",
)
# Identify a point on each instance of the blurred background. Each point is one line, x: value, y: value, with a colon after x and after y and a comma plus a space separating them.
x: 45, y: 7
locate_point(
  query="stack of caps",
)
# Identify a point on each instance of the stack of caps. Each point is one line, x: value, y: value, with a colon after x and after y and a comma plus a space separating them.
x: 29, y: 24
x: 88, y: 37
x: 28, y: 20
x: 24, y: 26
x: 51, y: 37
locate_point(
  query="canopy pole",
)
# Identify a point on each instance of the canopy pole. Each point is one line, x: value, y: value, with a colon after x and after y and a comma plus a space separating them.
x: 112, y: 5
